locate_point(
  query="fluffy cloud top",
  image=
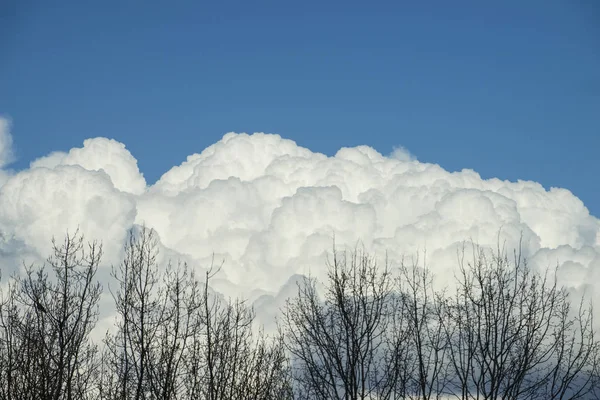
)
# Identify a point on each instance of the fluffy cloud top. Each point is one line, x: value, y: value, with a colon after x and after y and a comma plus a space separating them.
x: 270, y: 209
x: 101, y: 154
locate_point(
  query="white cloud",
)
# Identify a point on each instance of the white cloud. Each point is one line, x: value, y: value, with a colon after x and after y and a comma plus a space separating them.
x: 6, y: 150
x: 37, y: 204
x: 50, y: 161
x: 6, y: 141
x: 270, y: 208
x: 100, y: 154
x: 401, y: 153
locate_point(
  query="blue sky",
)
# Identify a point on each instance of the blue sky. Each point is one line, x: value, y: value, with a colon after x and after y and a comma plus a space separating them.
x: 511, y: 90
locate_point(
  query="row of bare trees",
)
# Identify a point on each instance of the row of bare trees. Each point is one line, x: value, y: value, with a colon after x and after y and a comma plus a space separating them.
x: 368, y: 331
x: 173, y: 337
x: 505, y: 332
x: 176, y: 340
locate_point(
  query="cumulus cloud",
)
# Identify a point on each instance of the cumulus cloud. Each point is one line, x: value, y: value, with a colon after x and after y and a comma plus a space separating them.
x: 50, y: 161
x: 270, y: 209
x: 401, y: 153
x: 100, y: 154
x: 6, y: 150
x: 38, y: 204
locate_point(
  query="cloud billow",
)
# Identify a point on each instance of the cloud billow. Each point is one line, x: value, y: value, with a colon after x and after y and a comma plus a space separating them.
x: 270, y: 209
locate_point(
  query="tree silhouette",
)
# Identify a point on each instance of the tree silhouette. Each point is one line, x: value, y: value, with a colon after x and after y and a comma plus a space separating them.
x: 45, y: 351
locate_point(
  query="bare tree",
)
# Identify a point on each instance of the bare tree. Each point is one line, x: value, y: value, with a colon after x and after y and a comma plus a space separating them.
x: 176, y: 332
x: 15, y: 379
x: 345, y: 346
x: 127, y: 351
x: 228, y: 362
x: 426, y: 359
x: 265, y: 373
x: 46, y: 322
x: 155, y: 323
x: 512, y: 334
x: 175, y: 339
